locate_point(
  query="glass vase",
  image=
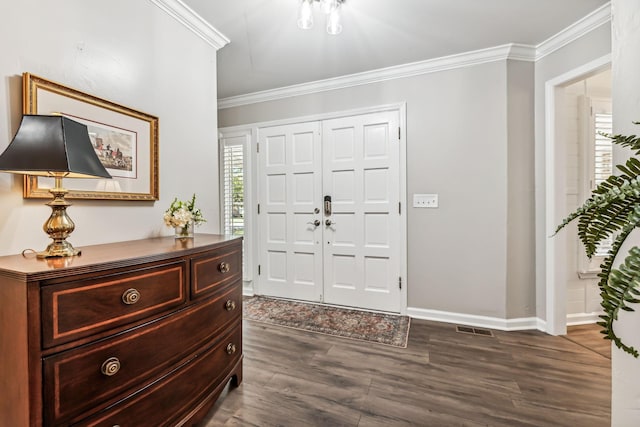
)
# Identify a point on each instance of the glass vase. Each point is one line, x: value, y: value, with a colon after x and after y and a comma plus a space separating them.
x: 184, y: 232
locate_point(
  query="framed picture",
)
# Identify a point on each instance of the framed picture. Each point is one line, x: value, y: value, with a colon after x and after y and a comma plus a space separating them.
x: 125, y: 140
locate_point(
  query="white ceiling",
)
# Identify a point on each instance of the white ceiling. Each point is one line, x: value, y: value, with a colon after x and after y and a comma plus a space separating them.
x: 268, y: 50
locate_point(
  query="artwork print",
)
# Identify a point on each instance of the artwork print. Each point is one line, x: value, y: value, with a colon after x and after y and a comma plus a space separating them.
x: 125, y: 140
x: 116, y: 147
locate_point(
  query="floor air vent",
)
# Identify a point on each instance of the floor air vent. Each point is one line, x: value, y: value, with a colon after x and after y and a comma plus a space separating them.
x: 474, y: 331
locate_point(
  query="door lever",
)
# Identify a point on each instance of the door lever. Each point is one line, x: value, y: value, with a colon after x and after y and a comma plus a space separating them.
x: 329, y: 223
x: 315, y: 223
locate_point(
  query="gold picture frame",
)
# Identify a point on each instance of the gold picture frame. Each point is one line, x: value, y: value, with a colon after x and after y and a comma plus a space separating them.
x: 135, y: 174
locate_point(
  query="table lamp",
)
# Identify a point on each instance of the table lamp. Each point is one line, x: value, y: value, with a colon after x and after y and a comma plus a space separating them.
x: 56, y: 147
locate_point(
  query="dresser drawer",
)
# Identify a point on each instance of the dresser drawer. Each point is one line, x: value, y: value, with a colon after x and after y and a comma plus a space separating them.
x: 78, y: 309
x: 161, y: 403
x: 91, y: 376
x: 214, y: 270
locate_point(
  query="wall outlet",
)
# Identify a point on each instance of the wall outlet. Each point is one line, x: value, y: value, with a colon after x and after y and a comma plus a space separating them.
x: 425, y: 200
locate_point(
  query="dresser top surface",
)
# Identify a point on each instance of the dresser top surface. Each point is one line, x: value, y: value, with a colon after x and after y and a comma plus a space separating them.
x: 110, y: 255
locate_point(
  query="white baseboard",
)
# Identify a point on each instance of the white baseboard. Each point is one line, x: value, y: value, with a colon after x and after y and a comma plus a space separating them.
x: 519, y: 324
x: 247, y: 288
x: 582, y: 318
x: 542, y: 324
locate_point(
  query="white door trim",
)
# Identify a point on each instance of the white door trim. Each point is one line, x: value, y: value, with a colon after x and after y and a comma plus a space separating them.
x: 401, y: 108
x: 555, y: 259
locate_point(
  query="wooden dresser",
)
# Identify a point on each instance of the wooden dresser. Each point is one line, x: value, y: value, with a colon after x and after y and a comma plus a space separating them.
x: 139, y: 333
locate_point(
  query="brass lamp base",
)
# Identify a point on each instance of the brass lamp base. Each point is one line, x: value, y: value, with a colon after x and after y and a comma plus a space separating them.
x: 59, y: 225
x: 58, y: 249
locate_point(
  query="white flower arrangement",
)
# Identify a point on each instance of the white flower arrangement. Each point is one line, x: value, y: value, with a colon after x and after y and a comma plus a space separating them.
x: 180, y: 213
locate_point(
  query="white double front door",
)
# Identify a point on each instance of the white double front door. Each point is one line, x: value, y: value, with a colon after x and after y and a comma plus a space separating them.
x: 329, y: 220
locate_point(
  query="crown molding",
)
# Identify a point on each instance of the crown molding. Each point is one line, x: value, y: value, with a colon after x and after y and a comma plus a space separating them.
x: 194, y: 22
x: 590, y: 22
x: 498, y: 53
x: 513, y: 51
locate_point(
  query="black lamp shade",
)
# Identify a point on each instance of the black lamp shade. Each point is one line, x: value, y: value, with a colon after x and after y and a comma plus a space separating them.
x: 45, y: 145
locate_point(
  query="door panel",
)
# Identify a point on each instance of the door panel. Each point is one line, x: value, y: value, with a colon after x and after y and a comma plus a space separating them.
x: 352, y: 257
x: 361, y: 245
x: 290, y: 191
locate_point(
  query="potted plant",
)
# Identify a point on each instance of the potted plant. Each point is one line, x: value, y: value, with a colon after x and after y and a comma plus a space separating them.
x: 183, y: 216
x: 614, y: 210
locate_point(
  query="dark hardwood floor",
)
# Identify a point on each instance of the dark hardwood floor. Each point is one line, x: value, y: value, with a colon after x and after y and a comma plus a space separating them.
x: 443, y: 378
x: 589, y: 336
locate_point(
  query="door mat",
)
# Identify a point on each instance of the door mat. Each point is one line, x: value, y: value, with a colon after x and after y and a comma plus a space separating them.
x: 381, y: 328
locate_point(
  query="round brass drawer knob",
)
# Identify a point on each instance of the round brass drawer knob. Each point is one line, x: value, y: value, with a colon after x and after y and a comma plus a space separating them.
x: 224, y: 267
x: 231, y: 348
x: 230, y: 305
x: 130, y: 296
x: 110, y: 367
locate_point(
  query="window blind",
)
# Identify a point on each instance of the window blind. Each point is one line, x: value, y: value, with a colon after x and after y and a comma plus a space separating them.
x: 233, y: 189
x: 603, y: 156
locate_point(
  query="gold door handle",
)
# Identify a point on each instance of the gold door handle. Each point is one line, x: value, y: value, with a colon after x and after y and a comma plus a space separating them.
x: 231, y: 348
x: 110, y: 367
x: 131, y: 296
x: 224, y: 267
x: 230, y: 305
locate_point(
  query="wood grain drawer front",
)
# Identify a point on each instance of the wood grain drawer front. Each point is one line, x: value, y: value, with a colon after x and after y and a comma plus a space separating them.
x: 212, y: 271
x: 93, y: 376
x: 166, y: 402
x: 79, y: 309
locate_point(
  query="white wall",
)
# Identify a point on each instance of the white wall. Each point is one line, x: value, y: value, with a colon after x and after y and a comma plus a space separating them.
x: 625, y: 379
x: 136, y: 55
x: 457, y: 146
x: 520, y: 174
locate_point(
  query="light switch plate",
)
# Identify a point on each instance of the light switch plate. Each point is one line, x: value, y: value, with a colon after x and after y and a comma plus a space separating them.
x: 425, y: 200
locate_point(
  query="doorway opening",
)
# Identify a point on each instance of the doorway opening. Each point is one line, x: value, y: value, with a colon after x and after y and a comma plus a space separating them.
x: 569, y: 283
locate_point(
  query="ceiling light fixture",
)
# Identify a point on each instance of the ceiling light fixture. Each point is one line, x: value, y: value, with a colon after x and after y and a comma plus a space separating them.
x: 331, y: 8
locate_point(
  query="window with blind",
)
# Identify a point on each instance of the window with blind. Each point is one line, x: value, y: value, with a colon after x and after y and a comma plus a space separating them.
x: 234, y: 157
x: 603, y: 162
x: 596, y: 165
x: 233, y: 188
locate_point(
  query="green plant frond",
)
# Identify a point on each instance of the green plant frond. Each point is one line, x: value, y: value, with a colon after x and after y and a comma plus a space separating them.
x: 632, y: 221
x: 630, y: 170
x: 631, y: 141
x: 604, y: 222
x: 606, y: 185
x: 614, y: 207
x: 613, y: 200
x: 618, y: 287
x: 621, y: 290
x: 611, y: 189
x: 605, y: 212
